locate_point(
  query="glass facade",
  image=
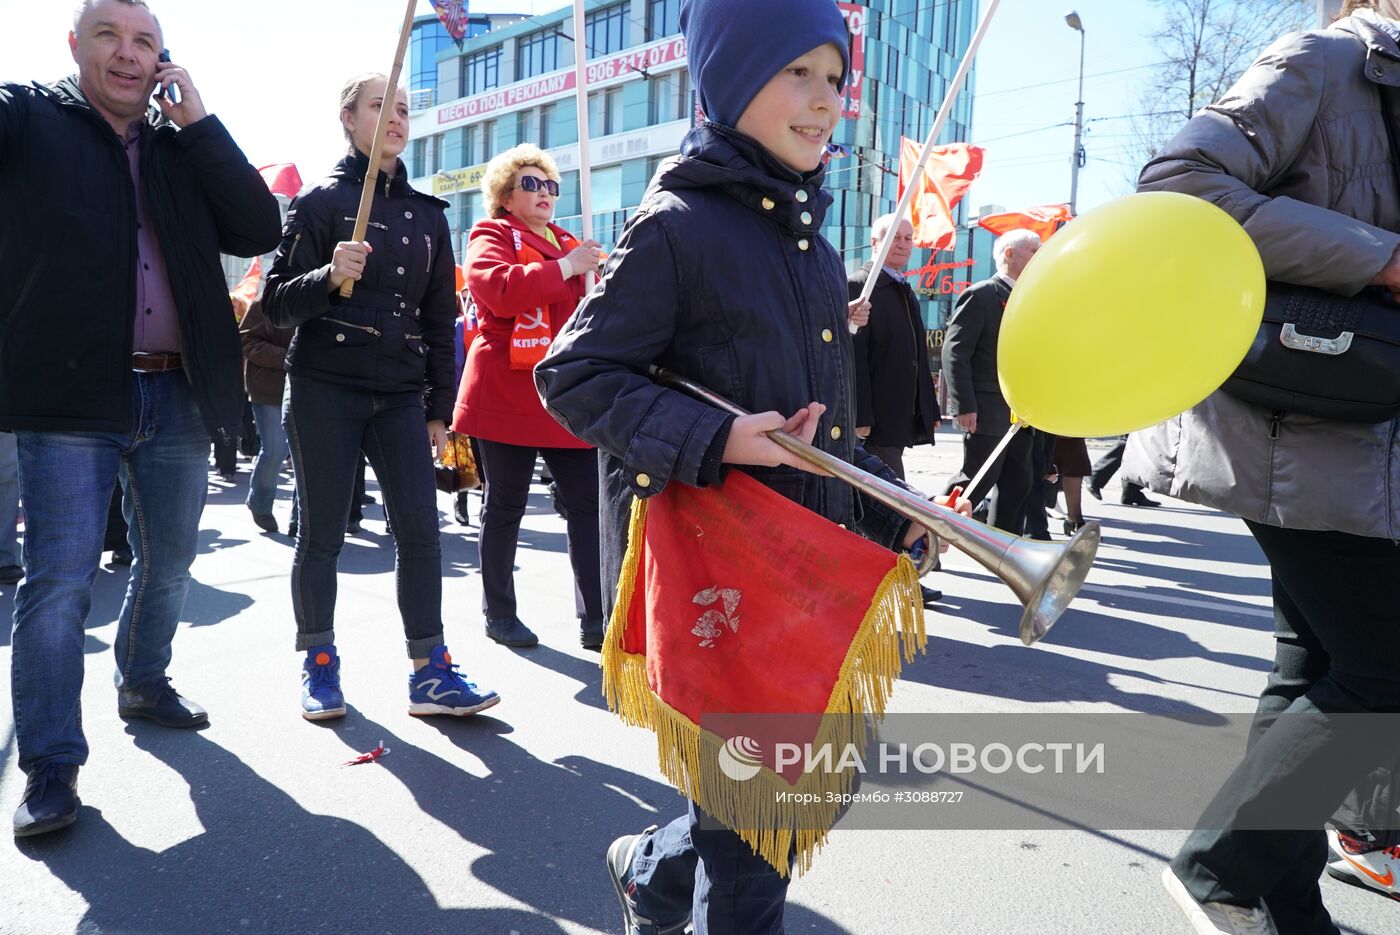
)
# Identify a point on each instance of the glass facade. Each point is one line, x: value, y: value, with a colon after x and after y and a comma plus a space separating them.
x: 426, y: 41
x: 663, y: 18
x: 536, y: 54
x: 606, y: 30
x: 640, y: 106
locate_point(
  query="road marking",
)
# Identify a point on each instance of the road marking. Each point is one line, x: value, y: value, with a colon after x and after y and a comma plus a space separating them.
x: 1131, y: 594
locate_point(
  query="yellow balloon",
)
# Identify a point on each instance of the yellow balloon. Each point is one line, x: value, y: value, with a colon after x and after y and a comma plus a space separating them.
x: 1131, y: 314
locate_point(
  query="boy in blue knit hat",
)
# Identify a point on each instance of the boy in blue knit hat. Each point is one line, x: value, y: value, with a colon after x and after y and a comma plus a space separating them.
x: 722, y: 275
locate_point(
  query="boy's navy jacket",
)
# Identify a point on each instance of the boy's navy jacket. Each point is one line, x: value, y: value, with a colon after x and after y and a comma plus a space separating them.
x: 722, y: 276
x: 68, y: 258
x: 394, y: 333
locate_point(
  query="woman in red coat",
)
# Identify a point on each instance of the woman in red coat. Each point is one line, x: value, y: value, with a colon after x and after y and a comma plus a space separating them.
x: 526, y: 276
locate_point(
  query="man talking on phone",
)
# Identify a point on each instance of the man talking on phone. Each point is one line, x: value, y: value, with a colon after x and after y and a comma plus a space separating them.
x: 119, y: 358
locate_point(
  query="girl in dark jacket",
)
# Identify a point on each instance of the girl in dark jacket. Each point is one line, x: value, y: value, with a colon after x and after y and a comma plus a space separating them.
x: 371, y: 373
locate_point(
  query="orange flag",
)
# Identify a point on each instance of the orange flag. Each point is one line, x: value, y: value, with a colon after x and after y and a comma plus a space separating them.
x: 947, y: 175
x: 248, y: 286
x: 735, y: 601
x: 1043, y: 219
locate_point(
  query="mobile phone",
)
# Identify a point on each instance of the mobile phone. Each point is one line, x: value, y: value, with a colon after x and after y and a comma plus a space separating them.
x: 171, y: 94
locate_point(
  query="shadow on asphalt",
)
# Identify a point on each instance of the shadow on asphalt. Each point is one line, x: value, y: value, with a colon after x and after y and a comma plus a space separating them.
x: 264, y: 864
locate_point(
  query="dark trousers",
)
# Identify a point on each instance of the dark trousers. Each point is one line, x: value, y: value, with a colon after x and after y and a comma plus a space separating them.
x: 508, y: 470
x: 693, y: 865
x: 1337, y: 652
x: 328, y: 425
x: 1108, y: 465
x: 892, y: 455
x: 1042, y: 460
x: 1011, y: 477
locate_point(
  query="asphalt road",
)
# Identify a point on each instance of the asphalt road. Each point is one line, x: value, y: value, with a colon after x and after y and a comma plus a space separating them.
x: 498, y: 823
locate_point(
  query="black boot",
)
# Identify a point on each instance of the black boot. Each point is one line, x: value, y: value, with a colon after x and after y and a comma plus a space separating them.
x: 509, y: 631
x: 157, y: 701
x: 50, y: 800
x: 591, y: 630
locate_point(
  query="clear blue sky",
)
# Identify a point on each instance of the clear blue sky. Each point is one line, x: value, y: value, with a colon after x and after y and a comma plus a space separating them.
x: 272, y: 70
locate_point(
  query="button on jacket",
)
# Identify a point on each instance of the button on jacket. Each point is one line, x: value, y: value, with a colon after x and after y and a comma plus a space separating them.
x: 395, y: 333
x: 68, y: 258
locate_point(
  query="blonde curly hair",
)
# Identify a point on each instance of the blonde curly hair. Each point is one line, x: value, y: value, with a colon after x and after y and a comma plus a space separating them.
x: 499, y: 180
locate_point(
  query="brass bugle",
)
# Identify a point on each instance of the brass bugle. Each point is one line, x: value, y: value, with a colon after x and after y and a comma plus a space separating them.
x: 1045, y: 576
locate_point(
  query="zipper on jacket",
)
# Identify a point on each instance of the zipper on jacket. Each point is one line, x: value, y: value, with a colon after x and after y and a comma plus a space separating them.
x: 429, y: 239
x: 382, y: 227
x: 386, y: 186
x: 1274, y: 425
x: 291, y: 256
x: 373, y: 331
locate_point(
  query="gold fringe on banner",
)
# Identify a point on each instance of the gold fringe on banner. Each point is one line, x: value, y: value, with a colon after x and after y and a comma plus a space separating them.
x: 785, y: 823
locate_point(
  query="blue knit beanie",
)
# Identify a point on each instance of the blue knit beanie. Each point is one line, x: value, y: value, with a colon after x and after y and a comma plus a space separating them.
x: 735, y: 47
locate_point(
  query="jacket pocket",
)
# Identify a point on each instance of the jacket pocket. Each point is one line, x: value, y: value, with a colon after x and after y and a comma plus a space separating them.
x: 348, y: 334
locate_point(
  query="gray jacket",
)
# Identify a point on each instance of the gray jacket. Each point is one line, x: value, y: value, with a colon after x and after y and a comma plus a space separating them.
x: 1296, y: 152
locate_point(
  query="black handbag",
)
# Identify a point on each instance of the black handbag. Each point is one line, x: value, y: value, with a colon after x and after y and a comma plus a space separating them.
x: 1326, y: 355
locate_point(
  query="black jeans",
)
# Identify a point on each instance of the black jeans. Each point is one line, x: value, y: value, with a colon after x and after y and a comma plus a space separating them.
x: 328, y: 425
x: 1108, y: 465
x: 1337, y: 652
x: 1012, y: 478
x: 508, y: 470
x: 1042, y: 460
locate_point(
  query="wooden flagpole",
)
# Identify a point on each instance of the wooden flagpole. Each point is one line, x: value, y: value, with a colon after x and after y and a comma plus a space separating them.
x: 381, y: 127
x: 939, y: 122
x: 585, y: 177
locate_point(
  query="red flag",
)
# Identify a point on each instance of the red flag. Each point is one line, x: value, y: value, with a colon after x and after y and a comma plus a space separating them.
x: 947, y: 175
x: 735, y: 600
x: 453, y: 14
x: 1043, y: 219
x: 247, y: 288
x: 282, y: 179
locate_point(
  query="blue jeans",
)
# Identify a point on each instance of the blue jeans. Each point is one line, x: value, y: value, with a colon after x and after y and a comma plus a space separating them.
x: 262, y: 491
x: 66, y: 480
x: 694, y: 866
x: 9, y: 500
x: 328, y: 425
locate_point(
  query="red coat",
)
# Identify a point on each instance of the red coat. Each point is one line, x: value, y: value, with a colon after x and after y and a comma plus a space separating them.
x: 495, y: 402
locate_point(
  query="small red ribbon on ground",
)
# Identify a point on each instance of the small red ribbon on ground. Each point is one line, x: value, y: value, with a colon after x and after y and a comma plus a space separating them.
x: 368, y: 757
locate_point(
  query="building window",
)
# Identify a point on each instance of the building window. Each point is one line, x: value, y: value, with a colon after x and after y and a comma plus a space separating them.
x: 605, y: 112
x: 471, y: 145
x: 527, y: 126
x: 429, y: 38
x: 481, y: 72
x: 663, y: 18
x: 536, y: 54
x: 606, y: 30
x: 418, y: 161
x: 548, y: 115
x: 670, y: 96
x: 491, y: 136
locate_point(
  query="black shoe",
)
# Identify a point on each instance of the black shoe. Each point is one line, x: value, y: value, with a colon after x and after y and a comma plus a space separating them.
x: 460, y: 510
x: 1138, y: 498
x: 11, y: 574
x: 122, y: 557
x: 1071, y: 527
x: 157, y: 701
x: 265, y: 521
x: 591, y: 630
x: 230, y: 475
x: 930, y: 595
x: 353, y: 528
x: 50, y: 800
x: 509, y: 631
x: 1095, y: 491
x: 292, y: 529
x: 367, y: 499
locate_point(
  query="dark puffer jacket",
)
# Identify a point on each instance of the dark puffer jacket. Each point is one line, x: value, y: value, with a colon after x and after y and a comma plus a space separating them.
x: 395, y: 333
x: 721, y: 275
x: 68, y: 258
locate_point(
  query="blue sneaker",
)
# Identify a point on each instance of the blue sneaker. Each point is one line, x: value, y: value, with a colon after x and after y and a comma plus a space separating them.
x: 438, y: 689
x: 321, y: 699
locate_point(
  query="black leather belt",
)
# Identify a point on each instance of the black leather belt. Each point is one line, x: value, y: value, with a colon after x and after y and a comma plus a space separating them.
x: 156, y: 363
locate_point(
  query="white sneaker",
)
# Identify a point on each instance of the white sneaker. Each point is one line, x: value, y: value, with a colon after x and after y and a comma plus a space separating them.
x: 1217, y: 918
x: 1376, y: 869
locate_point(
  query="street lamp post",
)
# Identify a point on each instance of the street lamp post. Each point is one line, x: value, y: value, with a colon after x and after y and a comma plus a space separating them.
x: 1077, y: 159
